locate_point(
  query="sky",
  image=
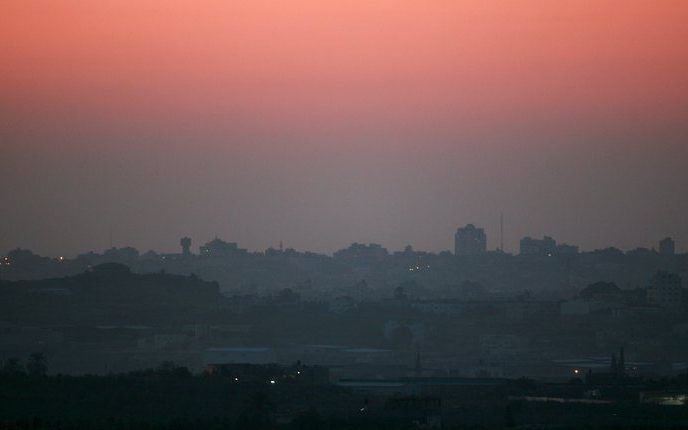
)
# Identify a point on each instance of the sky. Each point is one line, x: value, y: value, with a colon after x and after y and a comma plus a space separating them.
x: 323, y: 122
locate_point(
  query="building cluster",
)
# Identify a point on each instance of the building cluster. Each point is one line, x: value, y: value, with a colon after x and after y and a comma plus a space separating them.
x: 362, y: 252
x: 269, y: 373
x: 545, y: 247
x: 472, y: 240
x: 665, y: 290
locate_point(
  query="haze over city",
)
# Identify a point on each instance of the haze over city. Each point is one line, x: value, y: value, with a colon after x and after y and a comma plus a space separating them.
x: 321, y: 123
x: 343, y: 214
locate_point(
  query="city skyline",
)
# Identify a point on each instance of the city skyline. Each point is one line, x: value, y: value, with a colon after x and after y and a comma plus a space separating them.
x: 343, y: 214
x: 320, y: 123
x: 664, y: 245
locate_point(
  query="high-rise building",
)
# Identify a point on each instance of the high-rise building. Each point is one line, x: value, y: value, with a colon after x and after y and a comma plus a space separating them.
x: 667, y: 246
x: 470, y: 240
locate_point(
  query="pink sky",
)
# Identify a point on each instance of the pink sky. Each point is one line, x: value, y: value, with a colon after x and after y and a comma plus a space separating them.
x: 265, y: 110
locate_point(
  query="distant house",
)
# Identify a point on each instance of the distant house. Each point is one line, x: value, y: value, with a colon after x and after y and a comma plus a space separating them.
x: 219, y: 248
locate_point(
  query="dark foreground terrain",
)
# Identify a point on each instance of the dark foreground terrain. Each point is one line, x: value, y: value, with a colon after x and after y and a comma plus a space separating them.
x: 170, y: 397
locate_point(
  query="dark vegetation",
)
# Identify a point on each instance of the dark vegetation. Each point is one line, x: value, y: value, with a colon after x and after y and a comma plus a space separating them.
x: 109, y: 292
x: 168, y: 397
x: 171, y: 397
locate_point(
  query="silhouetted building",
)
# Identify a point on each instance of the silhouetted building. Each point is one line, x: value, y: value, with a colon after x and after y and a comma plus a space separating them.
x: 219, y: 248
x: 665, y: 290
x: 545, y: 246
x: 470, y: 240
x: 566, y: 249
x: 667, y: 246
x: 185, y: 243
x: 413, y: 411
x: 126, y: 254
x: 641, y: 252
x: 362, y: 252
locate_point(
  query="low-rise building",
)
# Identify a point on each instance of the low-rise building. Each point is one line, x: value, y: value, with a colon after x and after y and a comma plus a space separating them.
x: 665, y: 290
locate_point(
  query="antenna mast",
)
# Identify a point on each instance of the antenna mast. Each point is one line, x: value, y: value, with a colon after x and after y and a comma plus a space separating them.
x: 501, y: 231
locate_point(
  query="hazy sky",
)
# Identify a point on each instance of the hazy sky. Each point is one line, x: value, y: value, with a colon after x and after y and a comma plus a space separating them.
x: 321, y: 122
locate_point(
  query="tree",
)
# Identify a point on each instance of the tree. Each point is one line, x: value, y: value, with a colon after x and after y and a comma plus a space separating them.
x: 599, y: 289
x: 169, y: 368
x: 288, y: 295
x: 309, y: 420
x: 509, y: 417
x: 37, y: 364
x: 12, y: 367
x: 256, y: 415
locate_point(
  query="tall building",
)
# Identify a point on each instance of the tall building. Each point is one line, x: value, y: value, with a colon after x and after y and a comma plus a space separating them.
x: 667, y: 246
x: 470, y: 240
